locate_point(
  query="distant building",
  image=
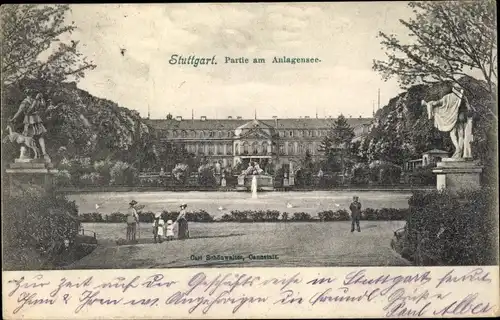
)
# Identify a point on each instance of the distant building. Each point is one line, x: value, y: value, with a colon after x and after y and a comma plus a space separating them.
x: 429, y: 158
x: 278, y: 142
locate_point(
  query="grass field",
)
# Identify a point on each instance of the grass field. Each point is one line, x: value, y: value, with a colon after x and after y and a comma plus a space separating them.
x: 311, y: 202
x: 306, y: 244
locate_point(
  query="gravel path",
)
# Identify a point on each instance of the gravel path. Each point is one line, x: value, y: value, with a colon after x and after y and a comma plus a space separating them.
x: 307, y: 244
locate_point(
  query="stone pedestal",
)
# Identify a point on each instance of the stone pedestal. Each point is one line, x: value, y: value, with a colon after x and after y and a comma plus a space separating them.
x: 23, y: 174
x: 458, y: 174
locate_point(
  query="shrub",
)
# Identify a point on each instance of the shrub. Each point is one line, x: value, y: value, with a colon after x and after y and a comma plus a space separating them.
x: 103, y: 168
x: 330, y: 215
x: 227, y: 217
x: 180, y: 173
x: 453, y: 229
x: 116, y: 217
x: 284, y: 216
x: 90, y: 179
x: 301, y: 216
x: 369, y: 214
x: 91, y: 217
x: 62, y: 178
x: 383, y: 172
x: 423, y: 176
x: 38, y: 224
x: 123, y: 174
x: 206, y: 175
x: 239, y: 216
x: 360, y: 174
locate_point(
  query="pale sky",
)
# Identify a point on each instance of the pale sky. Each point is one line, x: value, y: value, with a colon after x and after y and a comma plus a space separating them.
x: 342, y: 35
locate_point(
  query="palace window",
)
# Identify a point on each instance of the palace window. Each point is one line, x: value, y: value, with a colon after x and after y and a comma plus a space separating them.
x: 211, y: 149
x: 282, y: 149
x: 220, y: 149
x: 245, y: 147
x: 237, y: 149
x: 200, y: 149
x: 229, y: 134
x: 220, y: 134
x: 264, y: 148
x: 255, y: 148
x: 229, y: 149
x: 174, y: 134
x: 184, y: 134
x: 290, y: 134
x: 211, y: 134
x: 202, y: 134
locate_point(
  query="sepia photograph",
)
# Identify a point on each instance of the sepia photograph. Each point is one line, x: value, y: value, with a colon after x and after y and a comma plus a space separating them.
x: 153, y: 136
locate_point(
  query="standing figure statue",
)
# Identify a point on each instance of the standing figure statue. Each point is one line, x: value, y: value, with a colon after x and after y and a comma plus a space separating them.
x: 453, y: 113
x: 31, y: 108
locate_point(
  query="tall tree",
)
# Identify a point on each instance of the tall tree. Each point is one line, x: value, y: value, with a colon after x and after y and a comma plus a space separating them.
x: 450, y: 40
x: 28, y: 31
x: 338, y: 141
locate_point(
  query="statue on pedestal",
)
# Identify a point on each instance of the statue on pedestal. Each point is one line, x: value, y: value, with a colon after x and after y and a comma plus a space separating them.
x: 31, y: 109
x: 453, y: 113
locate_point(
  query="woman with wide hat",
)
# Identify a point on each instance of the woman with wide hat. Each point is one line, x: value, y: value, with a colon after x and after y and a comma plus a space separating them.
x: 182, y: 223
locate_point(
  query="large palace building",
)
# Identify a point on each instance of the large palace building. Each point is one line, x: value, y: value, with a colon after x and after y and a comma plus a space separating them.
x: 267, y: 141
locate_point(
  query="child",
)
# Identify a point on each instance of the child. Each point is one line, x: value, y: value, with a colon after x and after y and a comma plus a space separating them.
x: 170, y: 230
x: 158, y: 226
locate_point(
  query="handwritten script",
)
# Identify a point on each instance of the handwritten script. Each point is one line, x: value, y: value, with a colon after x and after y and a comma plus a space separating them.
x: 384, y: 292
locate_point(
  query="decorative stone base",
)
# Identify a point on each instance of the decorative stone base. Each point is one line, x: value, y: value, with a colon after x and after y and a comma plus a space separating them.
x: 34, y: 175
x: 458, y: 174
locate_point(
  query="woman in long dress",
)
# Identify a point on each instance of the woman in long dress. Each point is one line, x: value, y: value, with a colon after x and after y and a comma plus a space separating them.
x: 182, y: 223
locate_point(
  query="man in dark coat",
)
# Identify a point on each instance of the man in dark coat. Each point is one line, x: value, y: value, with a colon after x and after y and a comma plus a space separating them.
x: 355, y: 213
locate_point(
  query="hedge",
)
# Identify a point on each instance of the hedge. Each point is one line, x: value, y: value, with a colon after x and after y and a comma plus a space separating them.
x: 35, y: 228
x: 450, y: 229
x: 253, y: 216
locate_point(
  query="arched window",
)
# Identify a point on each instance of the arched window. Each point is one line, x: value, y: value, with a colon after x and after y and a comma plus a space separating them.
x: 255, y: 148
x: 200, y: 149
x: 220, y: 134
x: 193, y: 134
x: 220, y: 149
x: 229, y: 149
x: 236, y: 149
x: 202, y: 134
x: 229, y: 134
x: 282, y: 149
x: 264, y: 148
x: 174, y: 134
x: 245, y: 147
x: 184, y: 133
x: 211, y: 148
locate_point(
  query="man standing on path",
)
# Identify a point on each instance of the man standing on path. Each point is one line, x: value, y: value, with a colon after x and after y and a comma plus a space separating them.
x: 132, y: 220
x: 355, y: 213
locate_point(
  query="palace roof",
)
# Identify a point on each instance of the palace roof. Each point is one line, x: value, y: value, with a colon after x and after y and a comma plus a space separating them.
x: 231, y: 124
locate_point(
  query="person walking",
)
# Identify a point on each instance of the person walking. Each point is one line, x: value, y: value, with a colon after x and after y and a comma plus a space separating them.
x: 355, y: 213
x: 182, y: 223
x: 132, y: 221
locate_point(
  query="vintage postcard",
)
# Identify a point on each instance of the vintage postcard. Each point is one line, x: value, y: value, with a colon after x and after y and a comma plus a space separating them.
x: 249, y: 160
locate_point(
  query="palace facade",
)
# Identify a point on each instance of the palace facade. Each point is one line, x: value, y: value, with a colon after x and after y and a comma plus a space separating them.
x: 277, y: 142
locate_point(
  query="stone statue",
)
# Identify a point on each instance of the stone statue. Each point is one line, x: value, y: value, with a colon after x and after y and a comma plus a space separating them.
x: 453, y: 113
x: 31, y: 109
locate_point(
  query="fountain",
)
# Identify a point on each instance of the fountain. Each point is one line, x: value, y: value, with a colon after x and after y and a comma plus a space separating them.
x: 254, y: 187
x: 254, y: 177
